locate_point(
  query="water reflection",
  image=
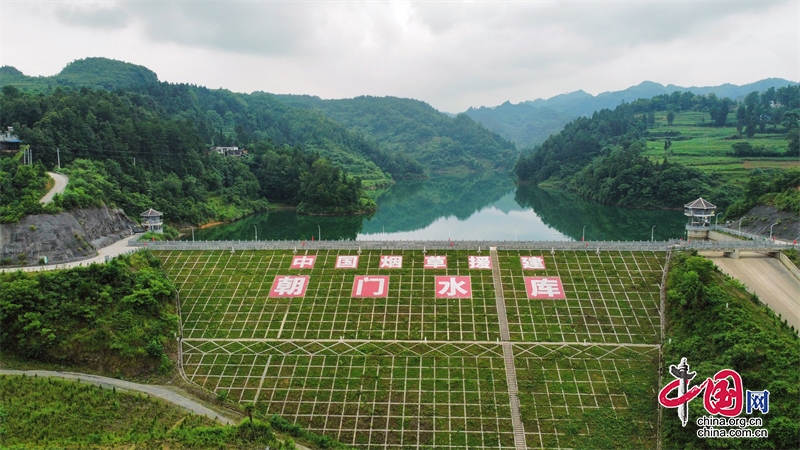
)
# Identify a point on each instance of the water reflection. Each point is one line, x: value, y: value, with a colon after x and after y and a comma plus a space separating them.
x: 568, y: 214
x: 484, y: 207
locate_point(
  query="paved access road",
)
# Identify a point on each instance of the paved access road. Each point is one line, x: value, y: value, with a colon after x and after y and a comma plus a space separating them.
x: 156, y: 391
x: 115, y: 249
x: 58, y: 188
x: 769, y: 279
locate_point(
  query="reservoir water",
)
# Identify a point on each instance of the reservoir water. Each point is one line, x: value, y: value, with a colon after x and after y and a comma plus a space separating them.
x: 475, y: 208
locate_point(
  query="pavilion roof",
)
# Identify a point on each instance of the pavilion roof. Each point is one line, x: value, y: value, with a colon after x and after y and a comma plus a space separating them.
x: 151, y: 213
x: 700, y: 203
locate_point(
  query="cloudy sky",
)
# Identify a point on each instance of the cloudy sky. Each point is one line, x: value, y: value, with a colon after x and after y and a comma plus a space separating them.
x: 452, y: 54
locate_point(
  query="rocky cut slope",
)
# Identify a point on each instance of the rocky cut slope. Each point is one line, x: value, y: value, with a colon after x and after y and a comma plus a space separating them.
x: 62, y: 237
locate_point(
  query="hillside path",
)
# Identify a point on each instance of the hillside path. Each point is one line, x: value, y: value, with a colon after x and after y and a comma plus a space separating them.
x: 156, y: 391
x: 58, y: 188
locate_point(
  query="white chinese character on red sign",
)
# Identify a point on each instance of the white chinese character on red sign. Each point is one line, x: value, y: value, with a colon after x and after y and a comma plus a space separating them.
x: 370, y: 286
x: 532, y: 262
x: 453, y: 287
x: 303, y: 262
x: 289, y: 286
x: 544, y: 287
x: 347, y: 262
x: 391, y: 262
x: 480, y: 262
x: 435, y: 262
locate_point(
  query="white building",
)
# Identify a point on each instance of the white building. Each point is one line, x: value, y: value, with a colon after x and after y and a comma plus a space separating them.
x: 228, y: 151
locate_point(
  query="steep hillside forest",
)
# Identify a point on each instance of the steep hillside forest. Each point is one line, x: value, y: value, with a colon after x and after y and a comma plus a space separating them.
x: 610, y: 157
x: 412, y: 128
x: 146, y: 144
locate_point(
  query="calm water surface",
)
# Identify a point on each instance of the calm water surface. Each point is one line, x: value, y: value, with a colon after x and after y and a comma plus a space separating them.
x: 477, y: 208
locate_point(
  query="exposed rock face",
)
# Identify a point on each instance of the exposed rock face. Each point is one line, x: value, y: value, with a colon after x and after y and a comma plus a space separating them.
x: 61, y: 237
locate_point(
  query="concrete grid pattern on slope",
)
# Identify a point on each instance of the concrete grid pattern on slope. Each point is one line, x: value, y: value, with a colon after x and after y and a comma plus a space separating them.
x: 412, y: 370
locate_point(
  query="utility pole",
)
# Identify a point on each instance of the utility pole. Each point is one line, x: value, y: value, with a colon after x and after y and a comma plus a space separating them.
x: 134, y: 161
x: 58, y: 156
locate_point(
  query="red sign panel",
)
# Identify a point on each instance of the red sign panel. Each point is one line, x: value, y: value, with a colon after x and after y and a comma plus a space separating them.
x: 453, y: 287
x: 544, y: 287
x: 347, y: 261
x: 435, y: 262
x: 289, y: 286
x: 480, y: 262
x: 391, y: 262
x: 532, y: 262
x: 371, y: 286
x: 303, y: 261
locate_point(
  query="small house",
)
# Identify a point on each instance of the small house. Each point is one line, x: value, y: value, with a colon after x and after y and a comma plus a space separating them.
x: 9, y: 142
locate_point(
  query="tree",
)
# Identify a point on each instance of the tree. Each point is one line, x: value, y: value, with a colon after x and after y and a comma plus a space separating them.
x: 791, y: 121
x: 667, y: 146
x: 670, y: 118
x: 248, y: 409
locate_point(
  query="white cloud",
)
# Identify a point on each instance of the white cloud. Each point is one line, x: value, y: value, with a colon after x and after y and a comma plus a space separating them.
x: 450, y: 54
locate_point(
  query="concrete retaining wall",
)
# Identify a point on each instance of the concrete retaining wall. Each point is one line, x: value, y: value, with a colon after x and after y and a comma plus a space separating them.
x: 789, y: 265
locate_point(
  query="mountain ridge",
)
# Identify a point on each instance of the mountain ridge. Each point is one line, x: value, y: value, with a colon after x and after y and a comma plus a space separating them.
x: 525, y: 126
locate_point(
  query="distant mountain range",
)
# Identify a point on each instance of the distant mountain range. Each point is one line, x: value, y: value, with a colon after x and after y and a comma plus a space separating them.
x: 407, y: 126
x: 530, y: 123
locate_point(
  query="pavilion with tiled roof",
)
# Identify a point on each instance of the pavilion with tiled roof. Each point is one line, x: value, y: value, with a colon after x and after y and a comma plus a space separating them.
x: 151, y: 221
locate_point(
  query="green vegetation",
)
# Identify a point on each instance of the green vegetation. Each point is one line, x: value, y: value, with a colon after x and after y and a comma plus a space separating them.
x: 118, y: 317
x: 531, y: 122
x: 339, y: 365
x: 524, y: 124
x: 713, y: 150
x: 146, y: 144
x: 793, y: 255
x: 21, y: 187
x: 124, y: 150
x: 412, y: 130
x: 95, y: 73
x: 714, y: 323
x: 52, y: 413
x: 169, y: 234
x: 314, y: 184
x: 633, y: 156
x: 769, y: 187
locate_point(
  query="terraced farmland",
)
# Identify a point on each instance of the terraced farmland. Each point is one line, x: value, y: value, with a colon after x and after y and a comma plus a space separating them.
x: 416, y: 367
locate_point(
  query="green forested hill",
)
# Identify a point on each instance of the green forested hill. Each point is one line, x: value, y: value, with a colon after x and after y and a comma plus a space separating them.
x: 226, y: 118
x: 96, y: 73
x: 416, y: 130
x: 529, y: 123
x: 524, y: 124
x: 656, y: 152
x: 125, y: 149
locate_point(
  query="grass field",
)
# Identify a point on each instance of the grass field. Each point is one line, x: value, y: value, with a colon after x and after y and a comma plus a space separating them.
x: 414, y: 371
x: 706, y: 148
